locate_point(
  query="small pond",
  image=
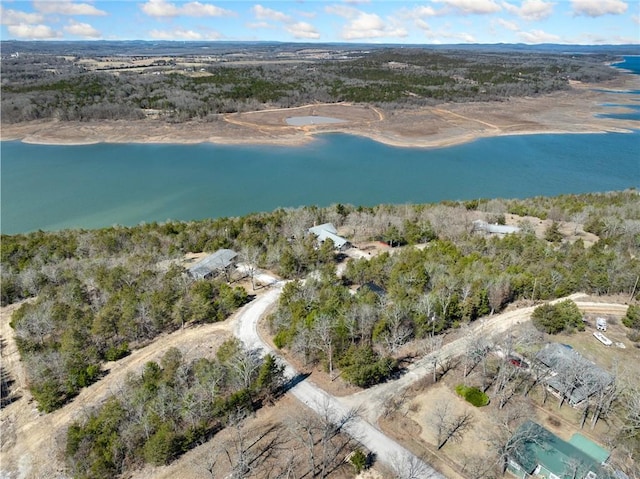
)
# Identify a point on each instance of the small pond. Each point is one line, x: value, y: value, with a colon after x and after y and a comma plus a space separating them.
x: 312, y: 120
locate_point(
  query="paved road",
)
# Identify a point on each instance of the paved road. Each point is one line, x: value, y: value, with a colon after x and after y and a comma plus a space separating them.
x: 386, y: 450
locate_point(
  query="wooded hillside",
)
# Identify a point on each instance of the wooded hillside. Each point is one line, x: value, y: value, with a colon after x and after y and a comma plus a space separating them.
x: 52, y: 86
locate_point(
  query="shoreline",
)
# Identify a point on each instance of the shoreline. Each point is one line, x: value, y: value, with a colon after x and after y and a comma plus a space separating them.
x: 572, y: 111
x: 307, y: 137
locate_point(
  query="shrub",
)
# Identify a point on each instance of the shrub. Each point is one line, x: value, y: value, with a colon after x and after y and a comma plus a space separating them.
x: 472, y: 395
x: 358, y: 460
x: 632, y: 318
x: 161, y: 446
x: 364, y: 367
x: 555, y: 318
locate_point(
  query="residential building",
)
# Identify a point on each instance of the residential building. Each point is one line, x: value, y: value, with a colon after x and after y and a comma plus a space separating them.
x: 536, y: 452
x: 328, y: 231
x: 213, y: 264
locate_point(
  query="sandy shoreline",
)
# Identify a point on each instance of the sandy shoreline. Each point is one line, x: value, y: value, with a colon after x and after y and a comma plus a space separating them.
x: 572, y: 111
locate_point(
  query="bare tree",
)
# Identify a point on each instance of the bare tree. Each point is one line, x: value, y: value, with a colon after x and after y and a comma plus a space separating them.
x: 250, y: 256
x: 499, y: 292
x: 399, y: 330
x: 510, y: 433
x: 408, y: 466
x: 476, y: 348
x: 323, y: 333
x: 449, y: 426
x: 244, y: 365
x: 320, y: 435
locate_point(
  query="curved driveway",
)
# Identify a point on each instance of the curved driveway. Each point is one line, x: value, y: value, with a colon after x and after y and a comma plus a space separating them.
x: 369, y: 403
x: 385, y: 449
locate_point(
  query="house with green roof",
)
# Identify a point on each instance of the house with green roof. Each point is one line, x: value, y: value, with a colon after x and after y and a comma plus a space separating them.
x: 534, y: 451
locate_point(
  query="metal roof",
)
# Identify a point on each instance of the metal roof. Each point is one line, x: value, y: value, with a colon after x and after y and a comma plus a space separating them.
x: 590, y: 448
x: 328, y: 231
x: 574, y: 375
x: 496, y: 229
x: 542, y: 447
x: 213, y: 263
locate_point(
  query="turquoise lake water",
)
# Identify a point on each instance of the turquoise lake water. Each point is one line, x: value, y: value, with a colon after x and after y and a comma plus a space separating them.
x: 56, y: 187
x: 93, y: 186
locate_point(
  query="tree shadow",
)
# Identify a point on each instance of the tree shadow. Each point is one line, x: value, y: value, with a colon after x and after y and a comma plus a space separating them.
x: 7, y: 394
x: 294, y: 381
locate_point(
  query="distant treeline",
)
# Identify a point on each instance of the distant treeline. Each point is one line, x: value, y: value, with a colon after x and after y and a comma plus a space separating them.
x: 48, y: 86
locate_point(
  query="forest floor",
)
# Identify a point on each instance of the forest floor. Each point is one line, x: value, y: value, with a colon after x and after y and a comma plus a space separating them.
x: 575, y: 110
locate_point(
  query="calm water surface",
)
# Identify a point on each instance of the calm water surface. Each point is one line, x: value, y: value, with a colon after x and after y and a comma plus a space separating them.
x: 56, y: 187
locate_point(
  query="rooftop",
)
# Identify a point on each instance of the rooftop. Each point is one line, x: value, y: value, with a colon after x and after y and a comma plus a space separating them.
x: 544, y: 448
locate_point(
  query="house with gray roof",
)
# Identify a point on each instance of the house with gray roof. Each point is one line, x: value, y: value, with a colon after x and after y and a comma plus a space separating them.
x: 570, y: 375
x: 213, y: 264
x: 327, y: 231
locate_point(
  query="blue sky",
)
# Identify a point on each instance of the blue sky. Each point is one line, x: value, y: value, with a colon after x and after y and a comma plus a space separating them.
x: 358, y: 21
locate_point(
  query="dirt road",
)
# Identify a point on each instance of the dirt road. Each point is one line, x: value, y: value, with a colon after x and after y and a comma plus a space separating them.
x: 30, y: 439
x: 372, y: 401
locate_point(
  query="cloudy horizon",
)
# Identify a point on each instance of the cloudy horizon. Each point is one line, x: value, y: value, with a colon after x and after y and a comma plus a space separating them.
x: 359, y: 21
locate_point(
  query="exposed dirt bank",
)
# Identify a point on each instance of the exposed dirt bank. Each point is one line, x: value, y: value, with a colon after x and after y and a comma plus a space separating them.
x: 573, y: 111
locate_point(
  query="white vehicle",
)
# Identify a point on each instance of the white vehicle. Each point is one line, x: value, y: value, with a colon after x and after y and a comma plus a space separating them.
x: 601, y: 324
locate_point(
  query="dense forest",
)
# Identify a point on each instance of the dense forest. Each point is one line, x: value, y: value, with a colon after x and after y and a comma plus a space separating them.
x: 168, y: 409
x: 49, y: 86
x: 98, y: 294
x: 95, y: 295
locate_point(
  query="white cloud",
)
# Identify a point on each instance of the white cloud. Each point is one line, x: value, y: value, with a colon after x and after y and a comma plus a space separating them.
x: 469, y: 7
x: 364, y: 25
x: 162, y: 8
x: 370, y: 25
x: 33, y: 32
x: 182, y: 34
x: 81, y: 30
x: 423, y: 11
x: 66, y: 7
x: 263, y: 13
x: 538, y: 36
x: 444, y: 35
x: 342, y: 11
x: 422, y: 25
x: 16, y: 17
x: 303, y: 30
x: 296, y: 29
x: 254, y: 25
x: 501, y: 22
x: 532, y: 10
x: 598, y: 8
x: 197, y: 9
x: 177, y: 34
x: 636, y: 19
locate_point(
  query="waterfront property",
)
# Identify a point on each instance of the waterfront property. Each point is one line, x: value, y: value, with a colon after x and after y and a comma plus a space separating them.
x: 214, y: 264
x: 328, y: 231
x: 570, y: 376
x: 537, y: 452
x: 479, y: 225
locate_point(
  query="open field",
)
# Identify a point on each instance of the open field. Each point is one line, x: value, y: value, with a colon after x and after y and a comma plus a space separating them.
x: 572, y: 111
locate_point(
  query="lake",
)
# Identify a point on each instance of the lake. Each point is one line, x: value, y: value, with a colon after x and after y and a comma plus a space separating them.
x: 91, y: 186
